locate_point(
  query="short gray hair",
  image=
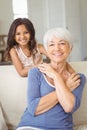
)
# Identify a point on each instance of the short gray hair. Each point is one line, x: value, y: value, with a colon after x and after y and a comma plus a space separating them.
x: 58, y: 33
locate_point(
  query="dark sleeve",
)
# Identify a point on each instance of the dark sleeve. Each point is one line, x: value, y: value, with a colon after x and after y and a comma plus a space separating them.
x: 78, y: 92
x: 33, y: 91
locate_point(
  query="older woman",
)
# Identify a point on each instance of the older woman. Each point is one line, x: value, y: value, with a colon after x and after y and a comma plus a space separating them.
x: 53, y: 92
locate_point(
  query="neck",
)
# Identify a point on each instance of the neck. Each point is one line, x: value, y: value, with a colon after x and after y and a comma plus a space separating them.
x: 23, y: 46
x: 59, y: 67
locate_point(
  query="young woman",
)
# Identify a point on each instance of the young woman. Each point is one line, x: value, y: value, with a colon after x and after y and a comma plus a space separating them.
x: 22, y: 47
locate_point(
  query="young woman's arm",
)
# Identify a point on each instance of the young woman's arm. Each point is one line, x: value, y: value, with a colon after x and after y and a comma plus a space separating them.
x: 42, y: 49
x: 17, y: 63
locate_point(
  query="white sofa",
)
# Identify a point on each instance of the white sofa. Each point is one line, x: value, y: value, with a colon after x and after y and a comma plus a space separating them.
x: 13, y: 98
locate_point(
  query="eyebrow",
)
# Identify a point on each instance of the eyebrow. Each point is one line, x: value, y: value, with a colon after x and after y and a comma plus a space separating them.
x: 59, y: 41
x: 62, y: 41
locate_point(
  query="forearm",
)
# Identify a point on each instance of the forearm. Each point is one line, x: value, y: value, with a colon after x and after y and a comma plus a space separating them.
x: 23, y: 71
x: 65, y: 96
x: 46, y: 103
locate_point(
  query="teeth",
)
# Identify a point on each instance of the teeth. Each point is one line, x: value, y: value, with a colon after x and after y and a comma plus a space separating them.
x: 23, y: 40
x: 59, y: 54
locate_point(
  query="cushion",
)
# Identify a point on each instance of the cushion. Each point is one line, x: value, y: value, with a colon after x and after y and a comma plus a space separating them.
x: 81, y: 127
x: 2, y: 121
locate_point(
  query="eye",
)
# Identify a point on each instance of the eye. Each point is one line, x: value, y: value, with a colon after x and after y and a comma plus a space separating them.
x: 51, y: 43
x: 26, y: 32
x: 62, y: 43
x: 18, y: 33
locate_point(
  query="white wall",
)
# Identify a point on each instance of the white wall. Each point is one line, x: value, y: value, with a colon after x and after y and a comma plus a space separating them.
x: 73, y: 25
x: 57, y: 13
x: 6, y: 15
x: 83, y: 21
x: 35, y: 12
x: 47, y: 14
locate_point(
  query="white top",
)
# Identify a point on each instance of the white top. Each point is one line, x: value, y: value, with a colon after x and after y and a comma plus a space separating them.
x: 28, y: 128
x: 28, y: 61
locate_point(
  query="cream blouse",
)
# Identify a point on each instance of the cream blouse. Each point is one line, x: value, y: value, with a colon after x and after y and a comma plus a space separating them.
x: 28, y: 61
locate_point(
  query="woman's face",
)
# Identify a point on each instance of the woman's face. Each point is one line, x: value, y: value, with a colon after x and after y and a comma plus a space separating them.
x: 22, y: 35
x: 58, y: 50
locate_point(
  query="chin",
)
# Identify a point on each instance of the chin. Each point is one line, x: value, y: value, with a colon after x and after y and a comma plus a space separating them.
x: 58, y: 60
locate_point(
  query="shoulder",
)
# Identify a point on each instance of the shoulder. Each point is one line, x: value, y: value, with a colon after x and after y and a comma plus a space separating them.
x: 12, y: 50
x: 34, y: 71
x: 35, y: 75
x: 79, y: 89
x: 83, y: 78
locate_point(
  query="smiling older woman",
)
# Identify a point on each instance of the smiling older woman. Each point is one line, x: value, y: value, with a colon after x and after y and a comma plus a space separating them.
x: 53, y: 92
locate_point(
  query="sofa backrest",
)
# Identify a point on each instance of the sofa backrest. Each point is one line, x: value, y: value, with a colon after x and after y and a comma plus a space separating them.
x: 13, y: 95
x: 80, y: 116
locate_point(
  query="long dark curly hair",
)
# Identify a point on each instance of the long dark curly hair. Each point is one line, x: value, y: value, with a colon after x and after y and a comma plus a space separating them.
x: 11, y: 35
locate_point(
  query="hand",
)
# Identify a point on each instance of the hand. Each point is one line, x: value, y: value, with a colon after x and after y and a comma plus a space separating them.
x: 73, y: 81
x: 48, y: 70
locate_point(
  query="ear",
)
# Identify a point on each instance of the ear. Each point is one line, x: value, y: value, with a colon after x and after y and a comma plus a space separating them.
x: 71, y: 47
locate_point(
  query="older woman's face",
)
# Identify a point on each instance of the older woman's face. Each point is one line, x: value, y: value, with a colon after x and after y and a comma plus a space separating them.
x: 58, y: 50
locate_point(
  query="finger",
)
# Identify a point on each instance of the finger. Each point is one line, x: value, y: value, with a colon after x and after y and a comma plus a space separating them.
x: 76, y: 78
x: 75, y: 75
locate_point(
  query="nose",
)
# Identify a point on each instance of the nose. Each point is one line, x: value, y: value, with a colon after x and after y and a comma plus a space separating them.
x: 57, y: 47
x: 22, y: 35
